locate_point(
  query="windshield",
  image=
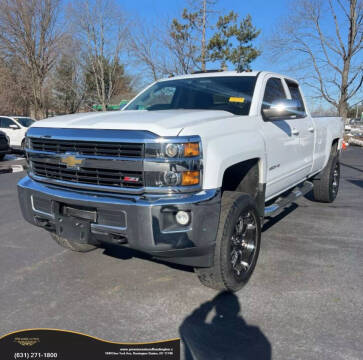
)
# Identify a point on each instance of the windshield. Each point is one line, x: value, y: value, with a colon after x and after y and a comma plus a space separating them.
x: 232, y: 94
x: 26, y: 122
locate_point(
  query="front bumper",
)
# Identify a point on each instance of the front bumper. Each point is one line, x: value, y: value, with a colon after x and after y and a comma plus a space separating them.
x: 139, y: 222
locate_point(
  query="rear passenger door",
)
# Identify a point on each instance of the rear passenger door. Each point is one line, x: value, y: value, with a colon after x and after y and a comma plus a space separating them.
x: 282, y: 142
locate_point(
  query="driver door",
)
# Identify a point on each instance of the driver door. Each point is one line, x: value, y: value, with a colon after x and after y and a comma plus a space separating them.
x: 282, y: 142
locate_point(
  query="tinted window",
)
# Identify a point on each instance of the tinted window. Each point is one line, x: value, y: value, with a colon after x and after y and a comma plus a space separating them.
x: 232, y: 94
x: 26, y: 122
x: 295, y: 94
x: 274, y: 91
x: 5, y: 122
x: 158, y: 99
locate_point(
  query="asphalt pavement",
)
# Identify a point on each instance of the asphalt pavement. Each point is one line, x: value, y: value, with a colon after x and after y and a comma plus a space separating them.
x: 304, y: 301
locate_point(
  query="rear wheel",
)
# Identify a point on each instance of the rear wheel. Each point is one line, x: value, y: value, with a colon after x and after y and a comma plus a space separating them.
x: 237, y: 244
x: 326, y: 187
x: 72, y: 245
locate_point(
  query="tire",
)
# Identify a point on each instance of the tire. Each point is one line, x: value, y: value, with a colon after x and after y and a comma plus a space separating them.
x: 237, y: 244
x: 72, y: 245
x: 2, y: 157
x: 327, y: 185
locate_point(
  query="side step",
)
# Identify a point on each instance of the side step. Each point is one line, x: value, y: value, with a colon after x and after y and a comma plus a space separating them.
x: 283, y: 201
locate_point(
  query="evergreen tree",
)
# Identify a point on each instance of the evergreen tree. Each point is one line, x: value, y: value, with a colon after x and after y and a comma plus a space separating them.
x: 232, y: 41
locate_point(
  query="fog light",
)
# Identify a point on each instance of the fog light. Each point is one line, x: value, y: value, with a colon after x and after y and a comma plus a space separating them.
x: 182, y: 217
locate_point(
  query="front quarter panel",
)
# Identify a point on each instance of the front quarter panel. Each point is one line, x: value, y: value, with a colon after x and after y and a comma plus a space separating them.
x: 226, y: 143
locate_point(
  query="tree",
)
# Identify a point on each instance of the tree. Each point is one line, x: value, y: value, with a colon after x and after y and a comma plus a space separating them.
x: 14, y: 90
x: 230, y: 43
x: 188, y: 38
x: 322, y: 42
x: 356, y: 110
x: 119, y: 82
x: 101, y: 29
x: 69, y: 90
x: 221, y: 45
x: 182, y: 44
x: 29, y: 33
x: 144, y: 46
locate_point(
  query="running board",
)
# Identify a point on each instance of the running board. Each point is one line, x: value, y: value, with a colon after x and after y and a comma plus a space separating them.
x: 283, y: 201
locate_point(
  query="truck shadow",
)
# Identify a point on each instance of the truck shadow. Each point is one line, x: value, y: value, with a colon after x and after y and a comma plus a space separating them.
x: 271, y: 221
x: 125, y: 253
x: 226, y: 336
x: 356, y: 182
x: 351, y: 167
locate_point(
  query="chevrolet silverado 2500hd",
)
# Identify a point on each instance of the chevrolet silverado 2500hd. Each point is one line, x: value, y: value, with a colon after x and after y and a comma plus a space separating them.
x: 186, y: 172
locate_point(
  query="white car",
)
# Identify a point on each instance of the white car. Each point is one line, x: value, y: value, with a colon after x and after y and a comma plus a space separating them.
x: 15, y: 128
x: 186, y: 172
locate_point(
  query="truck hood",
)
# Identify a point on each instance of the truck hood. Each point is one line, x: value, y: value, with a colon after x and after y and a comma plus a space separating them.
x: 162, y: 123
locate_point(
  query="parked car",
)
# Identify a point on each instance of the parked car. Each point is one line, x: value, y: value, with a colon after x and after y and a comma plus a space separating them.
x: 4, y: 145
x: 15, y: 128
x: 186, y: 172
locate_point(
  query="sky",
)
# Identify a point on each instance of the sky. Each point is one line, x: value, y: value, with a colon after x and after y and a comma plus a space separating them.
x: 265, y: 14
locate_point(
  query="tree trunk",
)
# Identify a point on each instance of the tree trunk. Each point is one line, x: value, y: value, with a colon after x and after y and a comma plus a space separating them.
x: 203, y: 62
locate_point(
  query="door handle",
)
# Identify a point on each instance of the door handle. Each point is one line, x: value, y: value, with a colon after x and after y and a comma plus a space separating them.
x: 311, y: 129
x: 295, y: 131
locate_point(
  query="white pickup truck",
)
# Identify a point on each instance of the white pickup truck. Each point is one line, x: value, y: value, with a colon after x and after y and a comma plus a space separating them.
x: 186, y: 172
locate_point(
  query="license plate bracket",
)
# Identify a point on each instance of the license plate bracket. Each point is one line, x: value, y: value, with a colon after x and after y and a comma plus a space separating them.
x: 74, y: 229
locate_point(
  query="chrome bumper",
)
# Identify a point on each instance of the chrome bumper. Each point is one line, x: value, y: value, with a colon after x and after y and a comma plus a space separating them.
x: 139, y: 222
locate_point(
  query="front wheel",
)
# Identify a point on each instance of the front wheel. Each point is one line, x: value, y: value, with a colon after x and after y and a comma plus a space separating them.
x: 237, y: 244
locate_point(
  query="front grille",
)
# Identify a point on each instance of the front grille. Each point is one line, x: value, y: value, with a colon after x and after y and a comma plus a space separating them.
x: 94, y: 176
x: 88, y: 147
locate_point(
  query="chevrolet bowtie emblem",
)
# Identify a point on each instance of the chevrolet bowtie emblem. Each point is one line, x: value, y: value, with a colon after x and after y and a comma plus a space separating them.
x: 71, y: 161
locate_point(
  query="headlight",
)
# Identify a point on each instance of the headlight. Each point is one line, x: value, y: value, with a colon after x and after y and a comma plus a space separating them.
x: 27, y: 142
x: 173, y: 163
x: 191, y: 149
x: 172, y: 178
x: 172, y: 150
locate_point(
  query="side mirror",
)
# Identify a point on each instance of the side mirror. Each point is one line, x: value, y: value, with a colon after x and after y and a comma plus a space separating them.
x: 284, y: 108
x: 14, y: 127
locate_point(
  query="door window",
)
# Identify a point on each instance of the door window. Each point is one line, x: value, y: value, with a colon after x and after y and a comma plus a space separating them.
x: 274, y: 91
x: 296, y: 95
x: 5, y: 123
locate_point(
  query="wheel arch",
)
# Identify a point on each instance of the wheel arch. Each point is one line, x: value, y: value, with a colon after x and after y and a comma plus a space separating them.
x: 246, y: 176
